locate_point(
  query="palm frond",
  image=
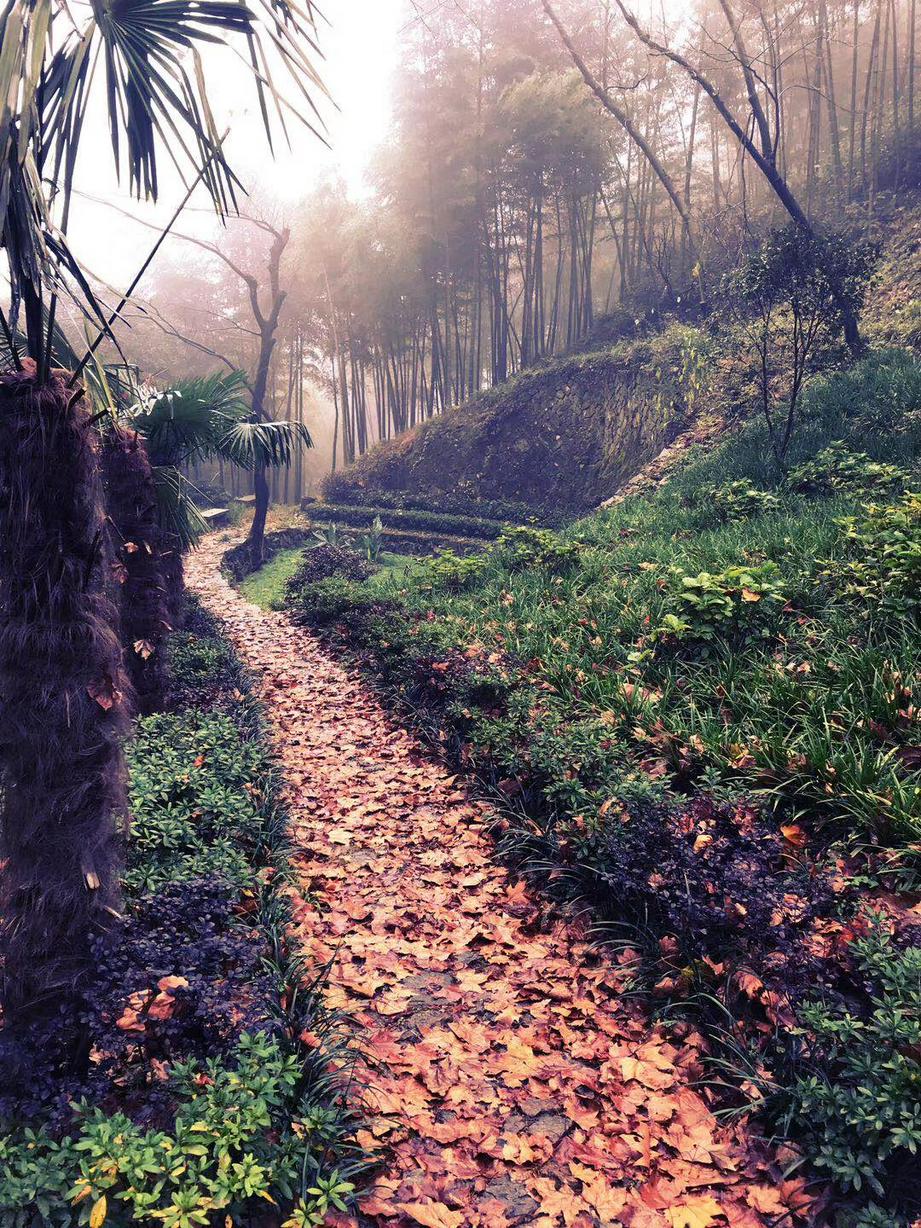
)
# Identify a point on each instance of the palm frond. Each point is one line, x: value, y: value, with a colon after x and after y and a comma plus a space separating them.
x: 179, y: 517
x: 157, y: 102
x: 188, y: 422
x: 272, y: 444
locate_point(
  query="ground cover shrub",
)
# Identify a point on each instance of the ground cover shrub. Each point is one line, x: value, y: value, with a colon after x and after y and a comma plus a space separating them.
x: 531, y: 547
x: 731, y: 604
x: 324, y: 562
x: 858, y: 1085
x: 204, y: 1104
x: 836, y: 468
x: 449, y: 570
x: 319, y: 604
x: 883, y: 568
x: 737, y: 500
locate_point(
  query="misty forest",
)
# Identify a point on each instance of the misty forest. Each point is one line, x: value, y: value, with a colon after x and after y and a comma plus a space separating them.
x: 460, y: 614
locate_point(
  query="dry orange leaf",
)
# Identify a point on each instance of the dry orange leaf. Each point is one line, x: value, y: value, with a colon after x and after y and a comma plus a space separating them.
x: 700, y: 1212
x: 432, y: 1214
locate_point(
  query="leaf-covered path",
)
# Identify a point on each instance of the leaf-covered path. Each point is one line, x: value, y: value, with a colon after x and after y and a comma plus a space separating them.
x: 511, y: 1082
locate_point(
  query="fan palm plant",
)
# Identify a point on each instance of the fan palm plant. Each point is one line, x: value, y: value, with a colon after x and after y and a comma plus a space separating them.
x: 63, y: 694
x: 199, y: 420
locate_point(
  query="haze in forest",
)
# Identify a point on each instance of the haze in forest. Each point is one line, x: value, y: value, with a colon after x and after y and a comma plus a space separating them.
x: 511, y: 179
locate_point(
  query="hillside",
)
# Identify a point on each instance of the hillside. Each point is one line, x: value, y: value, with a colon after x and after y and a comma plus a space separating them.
x: 568, y: 434
x: 563, y: 435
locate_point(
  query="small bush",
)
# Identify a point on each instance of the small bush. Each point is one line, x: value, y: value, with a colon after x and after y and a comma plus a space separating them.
x: 324, y: 562
x: 233, y: 1147
x: 322, y: 603
x: 862, y: 1105
x: 727, y: 605
x: 199, y: 664
x: 883, y: 572
x: 527, y: 547
x: 836, y: 469
x: 735, y: 501
x: 449, y: 570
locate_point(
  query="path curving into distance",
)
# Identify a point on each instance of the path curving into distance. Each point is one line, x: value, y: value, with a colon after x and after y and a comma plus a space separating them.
x: 513, y: 1085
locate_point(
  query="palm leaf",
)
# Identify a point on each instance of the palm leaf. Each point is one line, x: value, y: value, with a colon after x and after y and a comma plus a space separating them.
x: 188, y: 423
x: 178, y: 515
x: 156, y: 100
x: 270, y: 444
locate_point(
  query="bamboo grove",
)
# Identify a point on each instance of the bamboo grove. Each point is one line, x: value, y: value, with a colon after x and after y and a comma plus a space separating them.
x: 555, y: 170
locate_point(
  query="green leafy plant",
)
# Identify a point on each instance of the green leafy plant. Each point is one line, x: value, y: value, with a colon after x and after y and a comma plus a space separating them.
x: 733, y: 501
x: 836, y: 469
x: 371, y: 543
x: 449, y: 570
x: 861, y: 1104
x: 724, y: 605
x: 883, y: 570
x: 524, y: 546
x: 330, y: 535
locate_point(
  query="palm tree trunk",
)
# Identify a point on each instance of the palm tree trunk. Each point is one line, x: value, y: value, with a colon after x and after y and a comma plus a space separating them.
x: 64, y: 697
x: 131, y: 501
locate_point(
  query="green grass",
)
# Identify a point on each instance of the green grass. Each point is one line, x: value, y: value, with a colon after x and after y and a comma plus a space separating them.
x: 266, y: 587
x: 810, y: 702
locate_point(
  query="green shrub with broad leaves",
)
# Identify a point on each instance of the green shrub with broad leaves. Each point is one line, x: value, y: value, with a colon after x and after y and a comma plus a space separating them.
x: 733, y: 501
x: 883, y: 568
x: 449, y: 570
x: 837, y: 469
x: 861, y: 1101
x: 529, y: 547
x: 730, y: 604
x: 235, y: 1144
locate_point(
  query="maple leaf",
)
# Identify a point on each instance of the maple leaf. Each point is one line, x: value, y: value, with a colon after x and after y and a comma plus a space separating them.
x: 794, y: 834
x: 432, y: 1214
x: 144, y: 649
x: 699, y: 1212
x: 105, y: 693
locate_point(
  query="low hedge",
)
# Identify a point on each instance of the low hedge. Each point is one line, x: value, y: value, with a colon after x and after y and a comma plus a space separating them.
x: 210, y: 1099
x: 398, y: 518
x: 342, y: 489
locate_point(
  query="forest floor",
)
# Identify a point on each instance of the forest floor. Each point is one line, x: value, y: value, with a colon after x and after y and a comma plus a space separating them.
x: 508, y: 1080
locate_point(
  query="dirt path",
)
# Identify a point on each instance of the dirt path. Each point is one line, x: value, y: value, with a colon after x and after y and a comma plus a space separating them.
x: 513, y: 1085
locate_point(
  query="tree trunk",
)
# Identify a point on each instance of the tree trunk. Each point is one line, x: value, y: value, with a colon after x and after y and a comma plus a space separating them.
x: 131, y: 500
x: 64, y: 698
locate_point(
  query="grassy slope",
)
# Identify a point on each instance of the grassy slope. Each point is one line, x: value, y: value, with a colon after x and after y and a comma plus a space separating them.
x: 810, y: 689
x: 541, y: 667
